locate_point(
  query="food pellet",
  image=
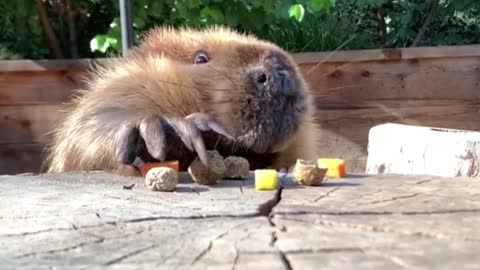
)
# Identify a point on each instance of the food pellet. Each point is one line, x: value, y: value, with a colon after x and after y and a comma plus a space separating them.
x: 237, y: 168
x: 210, y: 175
x: 266, y: 179
x: 308, y: 173
x: 173, y: 164
x: 161, y: 179
x: 335, y: 167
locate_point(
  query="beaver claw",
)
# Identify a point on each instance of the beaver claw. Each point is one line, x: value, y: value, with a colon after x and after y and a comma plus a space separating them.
x: 150, y: 134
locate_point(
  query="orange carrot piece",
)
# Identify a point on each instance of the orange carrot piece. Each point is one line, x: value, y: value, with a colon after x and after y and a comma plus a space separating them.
x: 173, y: 164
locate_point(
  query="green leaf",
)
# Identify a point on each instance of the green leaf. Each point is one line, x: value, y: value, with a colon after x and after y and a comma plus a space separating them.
x: 371, y: 2
x: 138, y: 22
x: 115, y: 23
x: 269, y: 6
x: 192, y: 3
x: 99, y: 43
x: 232, y: 17
x: 256, y: 17
x: 155, y: 9
x: 212, y: 15
x: 297, y: 11
x: 317, y: 5
x: 113, y: 43
x: 185, y: 14
x: 282, y: 9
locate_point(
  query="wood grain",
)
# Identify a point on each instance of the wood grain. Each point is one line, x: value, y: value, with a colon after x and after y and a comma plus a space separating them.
x: 352, y: 97
x: 20, y: 158
x: 395, y: 54
x: 49, y: 87
x: 28, y: 124
x: 46, y: 65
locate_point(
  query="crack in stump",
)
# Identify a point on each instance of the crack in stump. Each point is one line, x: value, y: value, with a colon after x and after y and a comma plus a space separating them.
x: 423, y: 181
x: 235, y: 260
x: 210, y: 244
x: 53, y: 251
x: 266, y: 208
x: 285, y: 260
x: 274, y: 236
x: 70, y: 228
x: 390, y: 199
x: 326, y: 194
x: 128, y: 255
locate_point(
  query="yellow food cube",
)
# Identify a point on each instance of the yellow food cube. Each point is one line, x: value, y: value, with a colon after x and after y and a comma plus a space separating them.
x: 335, y: 167
x: 266, y: 179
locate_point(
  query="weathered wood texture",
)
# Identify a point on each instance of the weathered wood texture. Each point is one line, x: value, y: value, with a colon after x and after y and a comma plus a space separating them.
x: 354, y: 90
x: 380, y: 222
x: 88, y: 221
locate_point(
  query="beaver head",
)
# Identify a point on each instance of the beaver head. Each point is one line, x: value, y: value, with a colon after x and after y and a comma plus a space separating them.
x: 252, y: 87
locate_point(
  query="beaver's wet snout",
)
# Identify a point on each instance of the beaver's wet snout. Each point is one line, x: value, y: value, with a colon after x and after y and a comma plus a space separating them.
x: 274, y: 75
x: 274, y: 103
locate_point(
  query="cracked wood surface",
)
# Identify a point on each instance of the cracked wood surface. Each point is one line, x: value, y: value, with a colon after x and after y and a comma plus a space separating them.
x: 90, y: 221
x: 381, y: 222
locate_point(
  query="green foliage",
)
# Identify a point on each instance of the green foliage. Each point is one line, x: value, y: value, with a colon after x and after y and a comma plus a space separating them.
x: 20, y: 34
x: 297, y: 25
x: 247, y: 15
x: 318, y: 5
x: 297, y: 11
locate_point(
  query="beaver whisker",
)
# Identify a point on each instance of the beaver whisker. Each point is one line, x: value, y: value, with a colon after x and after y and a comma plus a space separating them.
x: 331, y: 54
x: 219, y: 90
x: 224, y: 75
x: 191, y: 86
x: 222, y: 102
x: 216, y: 143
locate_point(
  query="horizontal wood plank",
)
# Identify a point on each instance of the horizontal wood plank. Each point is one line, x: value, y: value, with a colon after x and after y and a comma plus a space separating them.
x: 28, y: 124
x: 427, y: 79
x: 47, y: 65
x: 353, y: 97
x: 20, y: 158
x: 28, y: 88
x: 301, y: 57
x: 395, y: 54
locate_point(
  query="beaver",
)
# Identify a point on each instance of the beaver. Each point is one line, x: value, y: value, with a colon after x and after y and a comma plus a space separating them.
x: 182, y: 91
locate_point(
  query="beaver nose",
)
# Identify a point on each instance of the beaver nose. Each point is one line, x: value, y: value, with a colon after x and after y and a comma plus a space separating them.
x: 259, y: 80
x: 279, y: 79
x: 274, y: 76
x: 278, y: 65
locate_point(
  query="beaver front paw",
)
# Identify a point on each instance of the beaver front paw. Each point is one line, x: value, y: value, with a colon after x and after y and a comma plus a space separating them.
x: 148, y: 136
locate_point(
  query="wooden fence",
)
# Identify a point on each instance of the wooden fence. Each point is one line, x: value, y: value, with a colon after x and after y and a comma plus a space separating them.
x: 354, y: 91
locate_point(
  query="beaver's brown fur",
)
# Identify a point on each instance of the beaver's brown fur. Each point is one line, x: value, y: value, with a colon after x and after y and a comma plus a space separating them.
x: 250, y: 87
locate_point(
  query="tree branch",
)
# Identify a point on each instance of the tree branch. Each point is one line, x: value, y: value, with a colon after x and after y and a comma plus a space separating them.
x: 72, y: 30
x: 382, y: 26
x: 52, y: 40
x: 60, y: 10
x: 431, y: 13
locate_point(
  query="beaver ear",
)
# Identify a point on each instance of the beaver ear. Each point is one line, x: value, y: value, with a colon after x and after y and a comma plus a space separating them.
x: 200, y: 58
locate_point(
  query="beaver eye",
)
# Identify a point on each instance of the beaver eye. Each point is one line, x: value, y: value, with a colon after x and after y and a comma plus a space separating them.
x: 200, y: 58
